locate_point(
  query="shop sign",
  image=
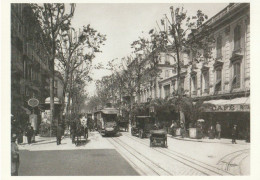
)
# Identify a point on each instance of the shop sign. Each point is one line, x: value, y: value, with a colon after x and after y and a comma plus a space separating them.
x: 33, y: 102
x: 229, y: 108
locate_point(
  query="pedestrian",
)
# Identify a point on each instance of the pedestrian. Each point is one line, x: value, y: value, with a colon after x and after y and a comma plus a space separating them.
x: 59, y: 134
x: 73, y: 131
x: 173, y: 127
x: 234, y: 134
x: 20, y: 135
x: 15, y: 160
x: 218, y: 130
x: 211, y: 132
x: 182, y: 130
x: 29, y: 133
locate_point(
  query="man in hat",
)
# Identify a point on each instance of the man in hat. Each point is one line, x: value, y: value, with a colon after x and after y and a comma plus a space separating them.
x: 59, y: 134
x: 15, y: 160
x: 234, y: 134
x: 218, y: 130
x: 29, y: 133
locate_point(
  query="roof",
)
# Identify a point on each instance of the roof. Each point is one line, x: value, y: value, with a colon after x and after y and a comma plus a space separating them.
x: 143, y: 116
x: 159, y: 131
x: 109, y: 111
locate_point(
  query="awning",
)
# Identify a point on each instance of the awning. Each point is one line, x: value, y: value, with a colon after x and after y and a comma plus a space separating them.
x: 56, y: 100
x: 233, y: 105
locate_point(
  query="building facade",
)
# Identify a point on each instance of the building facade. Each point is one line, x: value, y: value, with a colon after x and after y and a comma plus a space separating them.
x: 29, y: 64
x: 224, y: 81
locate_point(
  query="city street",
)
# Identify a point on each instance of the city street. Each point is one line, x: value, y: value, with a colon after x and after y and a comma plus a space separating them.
x: 142, y: 75
x: 129, y: 155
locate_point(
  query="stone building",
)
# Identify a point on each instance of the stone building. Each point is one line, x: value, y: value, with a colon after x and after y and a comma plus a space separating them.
x: 29, y: 64
x: 224, y: 81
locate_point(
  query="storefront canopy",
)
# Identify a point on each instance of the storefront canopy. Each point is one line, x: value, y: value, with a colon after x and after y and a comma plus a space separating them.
x: 225, y: 105
x: 56, y: 100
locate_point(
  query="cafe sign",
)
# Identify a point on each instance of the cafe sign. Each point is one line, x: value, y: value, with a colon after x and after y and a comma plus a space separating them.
x: 229, y: 108
x: 33, y: 102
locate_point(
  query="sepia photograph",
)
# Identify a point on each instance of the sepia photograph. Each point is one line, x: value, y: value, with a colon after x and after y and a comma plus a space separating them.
x: 129, y: 89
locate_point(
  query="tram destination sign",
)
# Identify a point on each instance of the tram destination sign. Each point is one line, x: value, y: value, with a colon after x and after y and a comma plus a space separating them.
x: 229, y: 108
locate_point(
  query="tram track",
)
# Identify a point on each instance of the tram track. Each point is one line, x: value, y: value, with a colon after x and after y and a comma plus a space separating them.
x: 188, y: 161
x: 229, y: 160
x: 155, y: 168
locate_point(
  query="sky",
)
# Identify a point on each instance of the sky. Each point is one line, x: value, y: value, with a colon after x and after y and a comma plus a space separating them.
x: 124, y: 23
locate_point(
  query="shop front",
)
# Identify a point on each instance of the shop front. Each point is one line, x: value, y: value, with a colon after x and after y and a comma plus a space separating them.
x: 228, y: 113
x: 48, y: 127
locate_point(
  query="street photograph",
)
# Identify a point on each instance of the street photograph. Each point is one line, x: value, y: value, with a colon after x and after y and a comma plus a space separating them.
x: 129, y: 89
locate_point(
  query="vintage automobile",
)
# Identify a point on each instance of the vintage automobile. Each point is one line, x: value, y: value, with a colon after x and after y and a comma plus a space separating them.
x: 107, y: 121
x: 142, y: 126
x: 158, y: 138
x: 123, y: 123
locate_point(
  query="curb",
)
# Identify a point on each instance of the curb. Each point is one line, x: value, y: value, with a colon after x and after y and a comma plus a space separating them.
x: 203, y: 141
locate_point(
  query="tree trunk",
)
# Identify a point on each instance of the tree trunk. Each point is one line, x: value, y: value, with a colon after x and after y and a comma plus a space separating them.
x: 52, y: 111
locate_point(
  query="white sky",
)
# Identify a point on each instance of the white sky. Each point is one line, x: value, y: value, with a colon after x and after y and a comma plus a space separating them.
x: 124, y: 23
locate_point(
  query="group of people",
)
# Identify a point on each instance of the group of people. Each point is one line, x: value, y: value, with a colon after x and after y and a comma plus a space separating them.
x: 213, y: 131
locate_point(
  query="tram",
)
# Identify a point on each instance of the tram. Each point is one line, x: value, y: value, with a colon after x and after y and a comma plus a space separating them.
x: 107, y: 121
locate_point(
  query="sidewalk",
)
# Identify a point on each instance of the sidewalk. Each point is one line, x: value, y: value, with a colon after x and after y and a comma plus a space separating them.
x: 207, y: 140
x: 94, y: 141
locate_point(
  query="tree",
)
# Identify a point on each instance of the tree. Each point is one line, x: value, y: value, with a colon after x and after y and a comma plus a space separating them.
x: 185, y: 34
x: 53, y: 20
x: 75, y: 50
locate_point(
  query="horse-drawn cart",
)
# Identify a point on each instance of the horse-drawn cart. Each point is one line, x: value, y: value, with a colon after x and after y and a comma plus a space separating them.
x: 81, y: 135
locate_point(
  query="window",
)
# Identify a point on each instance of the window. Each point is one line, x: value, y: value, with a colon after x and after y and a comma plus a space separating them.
x: 194, y: 84
x: 55, y: 87
x: 218, y: 79
x: 166, y: 73
x: 237, y: 37
x: 24, y: 69
x: 167, y: 90
x: 174, y: 71
x: 174, y: 85
x: 206, y: 81
x: 219, y: 47
x: 236, y: 77
x: 182, y: 85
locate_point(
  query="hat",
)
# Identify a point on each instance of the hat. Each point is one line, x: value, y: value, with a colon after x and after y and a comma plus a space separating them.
x: 13, y: 138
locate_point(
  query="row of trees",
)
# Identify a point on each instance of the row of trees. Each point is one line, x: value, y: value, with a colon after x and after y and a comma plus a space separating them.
x: 176, y: 35
x: 70, y: 51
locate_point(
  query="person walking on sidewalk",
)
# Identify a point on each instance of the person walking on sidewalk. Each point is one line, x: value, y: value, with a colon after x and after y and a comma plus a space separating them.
x: 59, y: 134
x: 218, y: 129
x: 234, y: 134
x: 15, y: 160
x: 29, y: 133
x: 211, y: 132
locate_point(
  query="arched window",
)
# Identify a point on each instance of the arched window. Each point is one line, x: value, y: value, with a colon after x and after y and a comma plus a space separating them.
x: 237, y: 37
